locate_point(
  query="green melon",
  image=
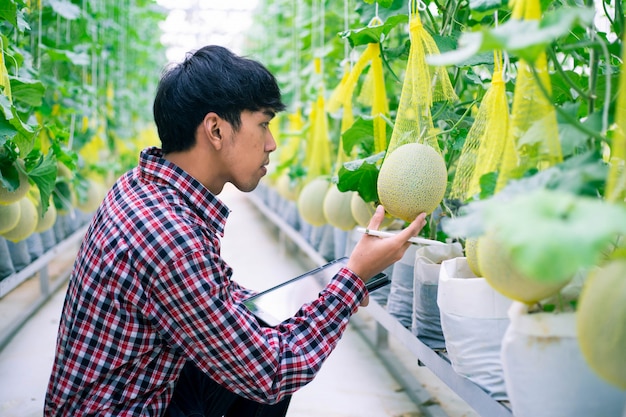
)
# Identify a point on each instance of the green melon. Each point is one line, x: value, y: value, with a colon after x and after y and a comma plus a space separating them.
x: 337, y: 209
x: 498, y: 269
x: 311, y: 201
x: 64, y: 172
x: 412, y: 180
x: 601, y: 322
x: 45, y: 221
x: 472, y: 255
x: 95, y: 194
x: 362, y: 211
x: 26, y: 224
x: 9, y: 216
x: 287, y: 188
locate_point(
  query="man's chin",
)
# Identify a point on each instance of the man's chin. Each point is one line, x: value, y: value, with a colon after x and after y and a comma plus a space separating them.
x: 246, y: 188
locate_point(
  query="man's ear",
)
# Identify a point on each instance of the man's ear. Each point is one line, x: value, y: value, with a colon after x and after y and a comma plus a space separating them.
x: 212, y: 129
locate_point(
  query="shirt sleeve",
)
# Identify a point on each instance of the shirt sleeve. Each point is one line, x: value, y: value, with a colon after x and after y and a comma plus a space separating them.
x: 240, y: 293
x: 200, y: 314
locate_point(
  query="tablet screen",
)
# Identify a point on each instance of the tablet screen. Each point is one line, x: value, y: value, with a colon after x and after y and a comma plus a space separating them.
x: 281, y: 302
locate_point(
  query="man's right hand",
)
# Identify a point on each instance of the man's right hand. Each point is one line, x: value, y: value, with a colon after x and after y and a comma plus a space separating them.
x: 372, y: 254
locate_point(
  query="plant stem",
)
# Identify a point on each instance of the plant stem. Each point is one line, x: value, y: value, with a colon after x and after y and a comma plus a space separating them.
x: 562, y: 73
x: 433, y: 22
x: 572, y: 120
x: 593, y: 77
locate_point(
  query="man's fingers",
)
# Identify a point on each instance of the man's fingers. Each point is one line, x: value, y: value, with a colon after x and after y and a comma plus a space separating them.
x: 377, y: 218
x: 415, y: 227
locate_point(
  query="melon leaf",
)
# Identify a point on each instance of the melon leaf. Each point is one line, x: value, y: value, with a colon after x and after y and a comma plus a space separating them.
x: 552, y: 234
x: 361, y: 176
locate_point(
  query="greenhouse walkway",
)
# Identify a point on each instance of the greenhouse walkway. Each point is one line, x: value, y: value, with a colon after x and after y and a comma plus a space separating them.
x: 352, y: 383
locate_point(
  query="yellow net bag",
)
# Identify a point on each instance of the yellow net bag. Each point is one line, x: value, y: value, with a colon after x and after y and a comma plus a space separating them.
x: 484, y: 145
x: 532, y: 113
x: 317, y: 157
x: 4, y: 75
x: 291, y: 144
x: 373, y: 92
x: 94, y: 150
x: 347, y: 118
x: 422, y: 86
x: 616, y: 179
x: 289, y: 155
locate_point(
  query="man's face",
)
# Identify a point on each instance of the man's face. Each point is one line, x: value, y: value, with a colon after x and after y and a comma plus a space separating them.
x: 249, y: 148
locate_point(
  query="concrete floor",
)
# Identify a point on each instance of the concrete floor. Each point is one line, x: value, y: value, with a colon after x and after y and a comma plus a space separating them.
x: 352, y: 383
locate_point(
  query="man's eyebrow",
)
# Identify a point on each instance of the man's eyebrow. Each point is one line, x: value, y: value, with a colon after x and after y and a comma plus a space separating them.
x: 269, y: 113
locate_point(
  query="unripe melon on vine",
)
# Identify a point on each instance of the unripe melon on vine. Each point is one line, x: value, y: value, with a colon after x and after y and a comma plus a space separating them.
x: 9, y: 216
x: 412, y: 179
x: 362, y: 211
x: 45, y: 220
x: 497, y: 267
x: 311, y: 201
x: 287, y: 188
x: 337, y: 209
x: 63, y: 171
x: 95, y: 194
x: 26, y: 224
x: 601, y: 322
x: 9, y: 197
x: 472, y: 256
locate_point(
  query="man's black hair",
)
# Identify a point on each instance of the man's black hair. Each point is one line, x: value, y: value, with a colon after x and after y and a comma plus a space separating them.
x: 212, y: 79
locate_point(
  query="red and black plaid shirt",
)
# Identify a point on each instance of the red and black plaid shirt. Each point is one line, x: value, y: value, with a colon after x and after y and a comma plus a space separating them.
x: 149, y: 291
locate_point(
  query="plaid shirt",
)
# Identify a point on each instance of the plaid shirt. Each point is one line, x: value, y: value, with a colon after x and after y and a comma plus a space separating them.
x: 149, y: 291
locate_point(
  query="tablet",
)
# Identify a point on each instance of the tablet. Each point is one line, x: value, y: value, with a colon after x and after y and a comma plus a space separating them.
x: 281, y: 302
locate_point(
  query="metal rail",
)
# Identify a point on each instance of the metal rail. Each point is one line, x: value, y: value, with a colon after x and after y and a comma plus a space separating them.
x: 40, y: 265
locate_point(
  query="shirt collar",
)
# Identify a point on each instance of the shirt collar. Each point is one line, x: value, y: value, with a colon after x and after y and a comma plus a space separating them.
x: 152, y: 165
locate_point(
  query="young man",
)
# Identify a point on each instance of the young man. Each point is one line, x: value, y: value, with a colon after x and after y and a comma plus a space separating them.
x: 152, y: 324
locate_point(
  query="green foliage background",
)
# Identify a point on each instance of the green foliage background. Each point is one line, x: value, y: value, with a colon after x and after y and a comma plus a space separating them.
x: 77, y: 69
x: 583, y: 41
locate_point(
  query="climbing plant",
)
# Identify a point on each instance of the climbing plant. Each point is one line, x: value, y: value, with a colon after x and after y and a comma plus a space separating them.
x: 76, y: 98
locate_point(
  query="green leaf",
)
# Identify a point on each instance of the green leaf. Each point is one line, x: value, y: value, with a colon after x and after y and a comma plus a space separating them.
x: 368, y: 11
x: 360, y: 133
x: 8, y: 11
x: 43, y: 172
x: 25, y: 143
x: 61, y: 55
x: 360, y: 176
x: 470, y: 43
x: 29, y: 92
x: 571, y: 137
x: 24, y: 134
x: 524, y: 38
x: 486, y: 5
x: 22, y: 22
x: 7, y: 131
x: 471, y: 221
x: 374, y: 34
x: 583, y: 174
x: 9, y: 177
x: 445, y: 43
x: 488, y: 184
x: 535, y: 135
x: 6, y: 107
x: 381, y: 3
x: 65, y: 9
x: 62, y: 195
